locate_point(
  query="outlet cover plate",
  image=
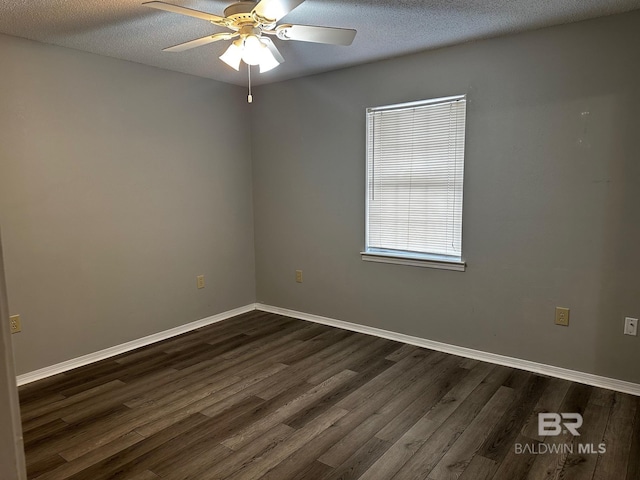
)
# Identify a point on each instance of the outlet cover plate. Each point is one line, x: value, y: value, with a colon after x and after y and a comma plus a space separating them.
x: 16, y: 325
x: 562, y: 316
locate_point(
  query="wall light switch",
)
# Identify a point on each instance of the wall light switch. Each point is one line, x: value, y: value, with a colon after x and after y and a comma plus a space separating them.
x: 299, y: 276
x: 200, y: 281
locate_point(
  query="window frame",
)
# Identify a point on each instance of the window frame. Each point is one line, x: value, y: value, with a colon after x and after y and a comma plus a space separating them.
x: 378, y: 255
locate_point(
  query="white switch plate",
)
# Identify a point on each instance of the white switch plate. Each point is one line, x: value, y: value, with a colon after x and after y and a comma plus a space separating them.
x: 631, y: 326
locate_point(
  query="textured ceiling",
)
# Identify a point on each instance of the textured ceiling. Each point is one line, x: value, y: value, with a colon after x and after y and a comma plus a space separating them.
x: 127, y: 30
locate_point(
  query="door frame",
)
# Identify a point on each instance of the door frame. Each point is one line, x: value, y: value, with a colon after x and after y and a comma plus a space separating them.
x: 12, y: 466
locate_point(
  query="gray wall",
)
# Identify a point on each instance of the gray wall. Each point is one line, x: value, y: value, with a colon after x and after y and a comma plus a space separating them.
x: 551, y: 207
x: 119, y: 183
x: 12, y: 465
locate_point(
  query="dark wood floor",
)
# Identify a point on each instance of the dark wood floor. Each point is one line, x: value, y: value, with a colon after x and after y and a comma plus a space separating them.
x: 269, y: 397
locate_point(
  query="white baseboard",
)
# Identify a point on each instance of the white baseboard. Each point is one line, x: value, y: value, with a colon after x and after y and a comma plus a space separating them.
x: 126, y: 347
x: 550, y: 370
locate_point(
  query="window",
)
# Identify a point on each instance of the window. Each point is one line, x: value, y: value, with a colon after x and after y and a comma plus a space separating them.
x: 415, y: 172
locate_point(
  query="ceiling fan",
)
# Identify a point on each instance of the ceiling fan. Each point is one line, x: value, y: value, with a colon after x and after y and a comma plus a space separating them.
x: 251, y: 24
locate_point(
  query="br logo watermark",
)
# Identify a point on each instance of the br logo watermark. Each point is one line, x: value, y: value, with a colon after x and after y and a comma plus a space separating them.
x: 554, y: 424
x: 551, y: 424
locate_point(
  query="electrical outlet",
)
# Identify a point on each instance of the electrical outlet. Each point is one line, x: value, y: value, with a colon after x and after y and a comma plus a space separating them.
x: 200, y: 281
x: 631, y: 326
x: 299, y: 276
x: 16, y: 326
x: 562, y: 316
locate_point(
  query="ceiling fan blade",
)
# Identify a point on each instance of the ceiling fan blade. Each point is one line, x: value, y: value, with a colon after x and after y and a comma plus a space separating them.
x: 272, y: 48
x: 308, y: 33
x: 198, y: 42
x: 274, y: 10
x: 186, y: 11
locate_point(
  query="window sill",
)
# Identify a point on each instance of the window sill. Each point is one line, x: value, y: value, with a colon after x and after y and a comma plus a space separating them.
x: 427, y: 261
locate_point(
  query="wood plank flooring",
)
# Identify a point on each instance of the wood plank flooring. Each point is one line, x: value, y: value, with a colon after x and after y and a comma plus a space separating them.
x: 262, y: 396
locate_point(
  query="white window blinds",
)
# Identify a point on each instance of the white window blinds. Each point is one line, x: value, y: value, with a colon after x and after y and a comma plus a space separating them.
x: 415, y: 170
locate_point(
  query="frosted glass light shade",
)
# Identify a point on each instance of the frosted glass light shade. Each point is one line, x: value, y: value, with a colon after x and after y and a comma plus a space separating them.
x: 232, y: 56
x: 252, y: 50
x: 268, y: 61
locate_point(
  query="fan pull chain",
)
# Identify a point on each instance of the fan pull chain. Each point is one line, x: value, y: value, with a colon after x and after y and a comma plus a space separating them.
x: 249, y: 97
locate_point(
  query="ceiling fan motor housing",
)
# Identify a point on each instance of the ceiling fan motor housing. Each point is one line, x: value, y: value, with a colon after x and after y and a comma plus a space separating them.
x: 240, y: 14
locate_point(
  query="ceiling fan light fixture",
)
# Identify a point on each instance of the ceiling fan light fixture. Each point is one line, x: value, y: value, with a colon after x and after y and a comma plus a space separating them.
x: 233, y: 55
